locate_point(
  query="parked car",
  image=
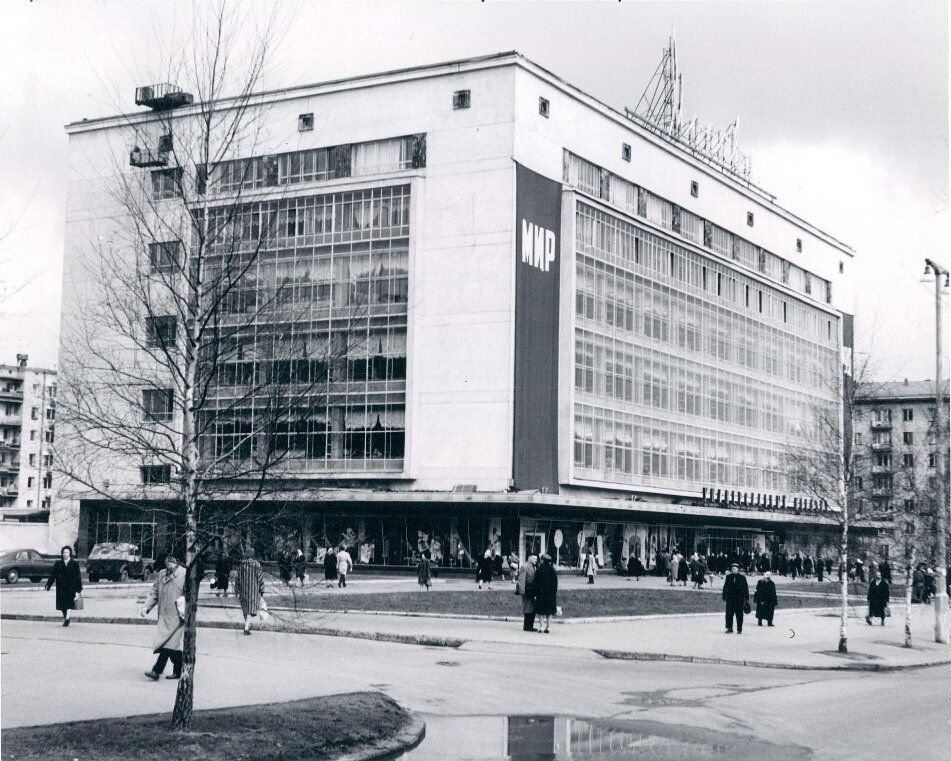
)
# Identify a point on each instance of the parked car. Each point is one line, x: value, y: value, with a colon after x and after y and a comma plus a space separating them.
x: 29, y: 563
x: 119, y: 561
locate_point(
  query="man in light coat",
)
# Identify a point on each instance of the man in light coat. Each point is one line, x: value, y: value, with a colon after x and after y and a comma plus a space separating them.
x: 525, y: 588
x: 344, y: 566
x: 168, y: 593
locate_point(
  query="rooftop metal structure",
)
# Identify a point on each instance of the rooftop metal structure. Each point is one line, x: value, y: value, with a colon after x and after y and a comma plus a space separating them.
x: 660, y: 110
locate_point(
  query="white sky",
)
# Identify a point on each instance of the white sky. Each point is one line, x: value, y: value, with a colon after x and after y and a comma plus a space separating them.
x: 843, y: 106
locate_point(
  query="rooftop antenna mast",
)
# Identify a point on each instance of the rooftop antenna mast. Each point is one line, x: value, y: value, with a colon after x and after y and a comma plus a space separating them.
x: 661, y: 104
x: 660, y: 110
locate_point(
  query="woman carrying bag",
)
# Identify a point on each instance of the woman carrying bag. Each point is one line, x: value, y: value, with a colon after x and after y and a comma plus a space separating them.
x: 69, y: 583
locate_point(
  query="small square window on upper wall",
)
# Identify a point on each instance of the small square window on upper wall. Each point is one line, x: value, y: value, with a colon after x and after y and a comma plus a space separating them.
x: 625, y: 151
x: 799, y: 245
x: 749, y: 219
x: 461, y: 99
x: 694, y: 188
x: 305, y: 122
x: 543, y: 107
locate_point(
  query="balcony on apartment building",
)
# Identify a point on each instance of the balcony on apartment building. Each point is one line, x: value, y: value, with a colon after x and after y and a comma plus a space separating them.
x: 881, y: 425
x: 881, y: 446
x: 11, y: 395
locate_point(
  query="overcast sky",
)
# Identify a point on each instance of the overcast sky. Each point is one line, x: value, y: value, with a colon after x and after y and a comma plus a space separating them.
x: 843, y: 106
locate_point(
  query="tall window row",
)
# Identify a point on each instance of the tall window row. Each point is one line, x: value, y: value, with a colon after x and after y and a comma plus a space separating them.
x: 637, y: 201
x: 628, y: 448
x: 617, y: 242
x: 637, y: 308
x: 318, y: 315
x: 318, y: 164
x: 688, y: 373
x: 617, y: 373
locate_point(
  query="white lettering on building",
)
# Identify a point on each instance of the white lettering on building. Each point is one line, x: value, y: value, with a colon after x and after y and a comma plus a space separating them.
x: 538, y: 246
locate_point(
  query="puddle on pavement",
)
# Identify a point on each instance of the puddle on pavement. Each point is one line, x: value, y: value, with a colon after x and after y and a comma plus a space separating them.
x: 568, y: 738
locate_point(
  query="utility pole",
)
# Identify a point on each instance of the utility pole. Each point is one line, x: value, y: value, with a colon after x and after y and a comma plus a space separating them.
x: 941, y: 498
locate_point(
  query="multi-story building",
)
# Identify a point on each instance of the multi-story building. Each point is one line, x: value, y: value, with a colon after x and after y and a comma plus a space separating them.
x: 574, y: 331
x: 897, y: 452
x: 27, y: 428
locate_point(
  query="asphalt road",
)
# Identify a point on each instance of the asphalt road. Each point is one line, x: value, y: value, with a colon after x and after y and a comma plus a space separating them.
x: 53, y: 674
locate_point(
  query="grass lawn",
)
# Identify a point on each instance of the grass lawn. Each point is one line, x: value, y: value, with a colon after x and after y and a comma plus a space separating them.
x: 576, y: 603
x: 833, y: 587
x: 324, y: 728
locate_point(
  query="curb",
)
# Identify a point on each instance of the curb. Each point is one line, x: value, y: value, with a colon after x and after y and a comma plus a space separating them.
x: 402, y: 639
x: 408, y: 738
x: 506, y: 619
x: 620, y: 655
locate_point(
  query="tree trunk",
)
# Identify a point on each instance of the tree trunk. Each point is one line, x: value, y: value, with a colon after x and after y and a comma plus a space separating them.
x: 184, y: 697
x: 908, y: 590
x: 844, y: 589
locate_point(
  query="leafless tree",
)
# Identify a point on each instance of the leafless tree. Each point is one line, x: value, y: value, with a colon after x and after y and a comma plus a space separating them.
x: 826, y: 467
x: 183, y: 377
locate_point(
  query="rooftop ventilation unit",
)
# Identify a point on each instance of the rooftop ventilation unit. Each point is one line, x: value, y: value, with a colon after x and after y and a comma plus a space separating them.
x: 162, y: 97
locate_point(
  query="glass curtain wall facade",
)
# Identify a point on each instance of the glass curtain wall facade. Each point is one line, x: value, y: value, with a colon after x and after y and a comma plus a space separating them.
x: 687, y: 372
x: 320, y: 311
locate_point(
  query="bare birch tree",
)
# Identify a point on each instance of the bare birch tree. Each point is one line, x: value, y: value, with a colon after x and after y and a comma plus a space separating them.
x: 826, y: 467
x: 182, y: 364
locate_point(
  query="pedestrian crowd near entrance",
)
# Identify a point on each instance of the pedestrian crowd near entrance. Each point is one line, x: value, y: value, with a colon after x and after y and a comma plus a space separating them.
x: 535, y: 582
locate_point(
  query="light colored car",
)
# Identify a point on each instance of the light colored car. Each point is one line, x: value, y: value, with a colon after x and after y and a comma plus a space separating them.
x: 119, y: 561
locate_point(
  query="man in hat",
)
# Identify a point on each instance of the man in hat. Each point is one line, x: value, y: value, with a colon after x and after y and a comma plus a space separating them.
x: 736, y: 594
x: 525, y: 587
x: 168, y: 593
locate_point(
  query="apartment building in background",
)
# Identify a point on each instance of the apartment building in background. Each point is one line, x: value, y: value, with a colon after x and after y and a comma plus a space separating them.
x: 898, y: 453
x: 576, y: 330
x: 27, y: 430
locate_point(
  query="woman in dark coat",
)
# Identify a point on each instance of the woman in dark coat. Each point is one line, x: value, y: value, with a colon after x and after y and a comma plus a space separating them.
x: 878, y: 595
x: 546, y: 590
x: 222, y: 574
x: 330, y: 566
x: 68, y: 580
x: 765, y: 599
x: 683, y: 571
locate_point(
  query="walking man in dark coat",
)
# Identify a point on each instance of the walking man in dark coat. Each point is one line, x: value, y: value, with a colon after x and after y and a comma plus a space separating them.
x: 878, y: 595
x: 736, y: 594
x: 765, y: 599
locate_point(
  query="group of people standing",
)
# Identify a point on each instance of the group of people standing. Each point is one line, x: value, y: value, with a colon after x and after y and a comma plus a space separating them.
x: 537, y: 585
x: 736, y: 595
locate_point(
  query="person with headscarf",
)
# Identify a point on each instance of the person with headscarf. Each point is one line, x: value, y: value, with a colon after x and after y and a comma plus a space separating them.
x: 765, y: 599
x: 330, y: 567
x: 484, y: 569
x: 546, y: 590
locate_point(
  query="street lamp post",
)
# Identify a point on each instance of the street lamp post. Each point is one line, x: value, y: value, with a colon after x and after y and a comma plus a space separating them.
x: 941, y: 525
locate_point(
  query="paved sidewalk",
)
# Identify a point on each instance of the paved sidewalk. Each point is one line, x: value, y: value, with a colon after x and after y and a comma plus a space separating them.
x: 802, y: 639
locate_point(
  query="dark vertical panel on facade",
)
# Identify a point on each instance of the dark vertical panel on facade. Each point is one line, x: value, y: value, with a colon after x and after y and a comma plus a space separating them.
x: 537, y: 283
